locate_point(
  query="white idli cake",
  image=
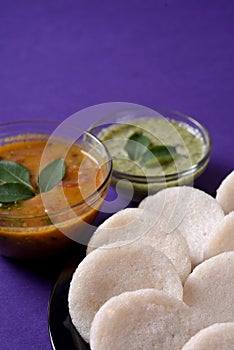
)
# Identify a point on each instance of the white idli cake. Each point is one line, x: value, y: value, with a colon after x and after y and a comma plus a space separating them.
x: 219, y: 336
x: 127, y: 225
x: 190, y: 211
x: 223, y: 239
x: 174, y: 246
x: 171, y: 203
x: 108, y: 272
x: 209, y: 290
x: 117, y: 230
x: 143, y: 319
x: 225, y: 193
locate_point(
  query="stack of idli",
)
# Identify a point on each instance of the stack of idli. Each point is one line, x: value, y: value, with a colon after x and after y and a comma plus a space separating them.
x: 160, y: 276
x: 134, y: 227
x: 151, y: 319
x: 106, y: 273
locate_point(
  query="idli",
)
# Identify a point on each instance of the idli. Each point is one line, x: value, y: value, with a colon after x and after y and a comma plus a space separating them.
x: 174, y: 246
x: 117, y: 230
x: 143, y: 319
x: 219, y: 336
x: 127, y: 225
x: 108, y: 272
x: 225, y: 193
x: 189, y: 211
x: 223, y: 239
x: 209, y: 290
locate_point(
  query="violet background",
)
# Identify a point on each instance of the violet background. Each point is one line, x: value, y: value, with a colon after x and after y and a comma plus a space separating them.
x: 60, y: 56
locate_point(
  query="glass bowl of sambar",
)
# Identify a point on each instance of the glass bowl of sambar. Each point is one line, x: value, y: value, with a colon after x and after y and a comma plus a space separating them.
x: 53, y: 180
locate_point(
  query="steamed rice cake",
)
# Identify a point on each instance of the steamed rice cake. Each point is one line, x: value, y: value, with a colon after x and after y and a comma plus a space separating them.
x: 143, y: 319
x: 225, y: 193
x: 118, y: 230
x: 223, y: 238
x: 219, y: 336
x: 106, y: 273
x: 209, y: 290
x: 189, y: 211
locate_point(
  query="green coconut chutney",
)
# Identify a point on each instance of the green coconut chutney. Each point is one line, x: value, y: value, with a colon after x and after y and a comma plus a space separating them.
x: 184, y: 139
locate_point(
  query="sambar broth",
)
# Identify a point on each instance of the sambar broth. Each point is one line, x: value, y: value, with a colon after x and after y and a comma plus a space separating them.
x: 36, y: 223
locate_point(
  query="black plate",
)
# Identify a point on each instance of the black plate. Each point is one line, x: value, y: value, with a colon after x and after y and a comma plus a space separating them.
x: 63, y: 334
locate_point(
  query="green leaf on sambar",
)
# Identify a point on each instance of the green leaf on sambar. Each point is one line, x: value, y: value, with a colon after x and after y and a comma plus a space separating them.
x: 12, y: 192
x: 51, y: 175
x: 13, y: 172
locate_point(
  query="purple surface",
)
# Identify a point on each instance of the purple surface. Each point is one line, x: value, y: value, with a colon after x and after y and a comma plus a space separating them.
x: 57, y: 57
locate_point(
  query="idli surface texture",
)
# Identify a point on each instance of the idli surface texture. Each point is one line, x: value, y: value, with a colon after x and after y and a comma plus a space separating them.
x: 223, y: 239
x: 108, y: 272
x: 174, y: 246
x: 225, y: 193
x: 127, y: 225
x: 219, y: 336
x: 140, y: 320
x: 118, y: 230
x: 209, y: 290
x: 189, y: 211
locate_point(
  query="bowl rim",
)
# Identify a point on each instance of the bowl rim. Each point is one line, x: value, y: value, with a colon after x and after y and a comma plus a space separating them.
x: 90, y: 199
x: 167, y: 178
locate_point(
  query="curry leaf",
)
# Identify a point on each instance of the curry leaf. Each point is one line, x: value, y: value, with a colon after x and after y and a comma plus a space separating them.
x: 51, y: 175
x: 136, y: 145
x: 13, y: 172
x: 159, y: 153
x: 12, y: 192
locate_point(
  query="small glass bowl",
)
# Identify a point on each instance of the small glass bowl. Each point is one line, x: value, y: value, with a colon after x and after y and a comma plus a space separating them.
x: 54, y: 232
x: 136, y: 187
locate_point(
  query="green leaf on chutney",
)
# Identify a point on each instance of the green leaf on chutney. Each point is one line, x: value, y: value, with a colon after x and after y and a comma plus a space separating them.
x: 51, y: 175
x: 160, y: 153
x: 136, y: 145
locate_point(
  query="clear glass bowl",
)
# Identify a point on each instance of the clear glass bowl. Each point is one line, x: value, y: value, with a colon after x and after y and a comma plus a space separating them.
x: 136, y: 186
x: 55, y: 231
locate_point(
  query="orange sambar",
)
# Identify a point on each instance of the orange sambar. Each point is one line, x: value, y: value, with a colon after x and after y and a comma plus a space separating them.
x: 40, y: 226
